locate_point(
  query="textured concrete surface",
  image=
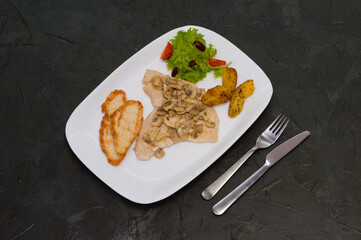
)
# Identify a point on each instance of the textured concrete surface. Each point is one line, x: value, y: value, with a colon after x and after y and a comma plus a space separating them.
x: 54, y: 53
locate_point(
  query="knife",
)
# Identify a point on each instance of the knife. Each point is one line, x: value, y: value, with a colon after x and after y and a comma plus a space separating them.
x: 271, y: 158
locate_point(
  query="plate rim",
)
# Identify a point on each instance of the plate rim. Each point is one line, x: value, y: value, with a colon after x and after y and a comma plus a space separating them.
x: 198, y: 170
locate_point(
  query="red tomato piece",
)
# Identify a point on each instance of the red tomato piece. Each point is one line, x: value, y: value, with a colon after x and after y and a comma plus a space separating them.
x: 216, y: 62
x: 167, y: 52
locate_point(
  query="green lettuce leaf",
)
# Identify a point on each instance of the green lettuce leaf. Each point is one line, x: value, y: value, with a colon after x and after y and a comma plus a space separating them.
x: 185, y: 51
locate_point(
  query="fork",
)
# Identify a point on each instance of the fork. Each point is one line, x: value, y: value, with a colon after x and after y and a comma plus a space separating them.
x: 266, y: 139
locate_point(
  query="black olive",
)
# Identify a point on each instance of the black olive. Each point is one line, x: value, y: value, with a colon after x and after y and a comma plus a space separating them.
x: 174, y: 71
x: 199, y: 45
x: 192, y: 63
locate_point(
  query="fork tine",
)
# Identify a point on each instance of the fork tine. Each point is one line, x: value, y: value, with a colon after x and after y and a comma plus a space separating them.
x: 274, y: 123
x: 282, y: 127
x: 279, y: 123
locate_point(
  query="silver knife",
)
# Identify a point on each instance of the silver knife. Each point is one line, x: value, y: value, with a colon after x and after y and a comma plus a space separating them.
x: 271, y: 159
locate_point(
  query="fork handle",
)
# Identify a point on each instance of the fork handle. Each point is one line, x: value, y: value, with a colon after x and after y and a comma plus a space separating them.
x: 212, y: 189
x: 228, y: 200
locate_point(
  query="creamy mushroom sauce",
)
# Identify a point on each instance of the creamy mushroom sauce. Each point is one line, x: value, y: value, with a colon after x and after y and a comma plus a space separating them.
x: 182, y: 115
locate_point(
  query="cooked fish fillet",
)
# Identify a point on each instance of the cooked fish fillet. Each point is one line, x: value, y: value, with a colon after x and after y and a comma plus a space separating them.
x: 125, y: 124
x: 114, y: 100
x: 107, y: 142
x: 145, y: 151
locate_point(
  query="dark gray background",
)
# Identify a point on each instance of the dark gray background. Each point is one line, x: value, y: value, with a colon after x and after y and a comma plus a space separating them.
x: 54, y: 53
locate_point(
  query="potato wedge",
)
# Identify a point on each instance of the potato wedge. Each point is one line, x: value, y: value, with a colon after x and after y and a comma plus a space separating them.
x: 229, y: 78
x: 217, y: 95
x: 237, y: 102
x: 247, y: 88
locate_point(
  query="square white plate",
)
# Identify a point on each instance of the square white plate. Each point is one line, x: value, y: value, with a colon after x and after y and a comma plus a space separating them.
x: 150, y: 181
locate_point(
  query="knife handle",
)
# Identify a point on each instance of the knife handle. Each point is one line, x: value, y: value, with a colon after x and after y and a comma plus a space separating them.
x: 212, y: 189
x: 228, y: 200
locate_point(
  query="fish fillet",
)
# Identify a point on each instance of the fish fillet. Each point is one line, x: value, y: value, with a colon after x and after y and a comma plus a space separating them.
x: 145, y: 151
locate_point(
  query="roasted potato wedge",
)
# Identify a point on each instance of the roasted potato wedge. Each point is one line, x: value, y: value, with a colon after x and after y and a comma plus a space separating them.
x: 237, y: 102
x: 247, y: 88
x: 229, y: 78
x: 217, y: 95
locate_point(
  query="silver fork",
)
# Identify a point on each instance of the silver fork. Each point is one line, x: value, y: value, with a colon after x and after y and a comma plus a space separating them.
x: 266, y: 139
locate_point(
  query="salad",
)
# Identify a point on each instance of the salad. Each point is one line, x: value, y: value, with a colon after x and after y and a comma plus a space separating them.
x: 189, y: 57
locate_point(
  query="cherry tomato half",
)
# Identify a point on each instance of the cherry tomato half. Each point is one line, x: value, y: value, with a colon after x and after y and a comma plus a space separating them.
x: 216, y: 62
x: 167, y: 52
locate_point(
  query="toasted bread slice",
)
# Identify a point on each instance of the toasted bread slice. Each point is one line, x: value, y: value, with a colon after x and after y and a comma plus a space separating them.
x: 125, y: 124
x: 113, y: 102
x: 107, y: 142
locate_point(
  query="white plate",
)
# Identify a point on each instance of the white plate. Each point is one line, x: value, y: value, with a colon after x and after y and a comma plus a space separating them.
x: 150, y: 181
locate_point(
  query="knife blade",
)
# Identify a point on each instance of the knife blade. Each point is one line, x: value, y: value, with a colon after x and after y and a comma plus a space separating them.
x: 279, y: 152
x: 273, y: 157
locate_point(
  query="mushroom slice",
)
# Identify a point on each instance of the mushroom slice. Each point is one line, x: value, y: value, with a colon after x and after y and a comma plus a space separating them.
x: 161, y: 112
x: 157, y: 82
x: 191, y: 129
x: 191, y: 101
x: 181, y: 95
x: 180, y: 102
x: 181, y: 121
x: 171, y: 121
x: 182, y: 112
x: 174, y: 135
x: 204, y: 115
x: 173, y: 81
x: 165, y: 88
x: 190, y: 91
x: 178, y: 97
x: 180, y: 83
x: 168, y: 105
x: 199, y: 94
x: 192, y: 132
x: 166, y: 80
x: 161, y: 136
x: 196, y: 118
x: 196, y: 109
x: 159, y: 153
x: 146, y: 138
x: 168, y: 95
x: 157, y: 121
x: 153, y: 133
x: 210, y: 124
x: 175, y: 97
x: 179, y: 108
x: 175, y: 86
x: 172, y: 113
x: 182, y: 131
